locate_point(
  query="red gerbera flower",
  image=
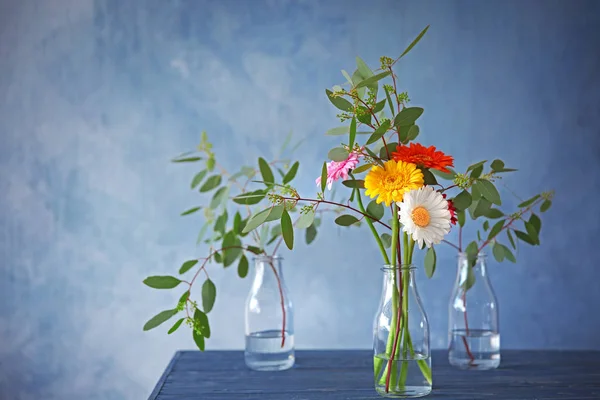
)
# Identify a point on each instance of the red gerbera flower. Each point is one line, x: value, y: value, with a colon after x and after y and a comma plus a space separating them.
x: 427, y: 157
x: 452, y: 210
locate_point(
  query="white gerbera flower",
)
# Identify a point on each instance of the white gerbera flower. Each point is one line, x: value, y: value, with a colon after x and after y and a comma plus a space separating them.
x: 424, y: 214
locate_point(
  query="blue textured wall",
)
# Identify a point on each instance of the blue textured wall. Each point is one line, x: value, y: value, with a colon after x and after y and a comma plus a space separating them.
x: 97, y: 95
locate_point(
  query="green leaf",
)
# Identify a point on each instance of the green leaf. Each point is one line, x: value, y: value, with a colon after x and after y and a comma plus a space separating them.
x: 496, y: 229
x: 201, y: 320
x: 482, y: 208
x: 428, y: 177
x: 524, y: 237
x: 470, y: 281
x: 265, y: 171
x: 379, y: 106
x: 238, y: 223
x: 545, y: 205
x: 414, y: 42
x: 287, y: 230
x: 391, y: 147
x: 462, y: 201
x: 494, y: 213
x: 444, y: 175
x: 338, y: 154
x: 363, y: 115
x: 508, y: 254
x: 276, y: 212
x: 374, y: 156
x: 243, y: 267
x: 198, y: 178
x: 209, y: 294
x: 430, y: 261
x: 476, y: 165
x: 379, y: 132
x: 489, y: 191
x: 375, y: 210
x: 373, y: 79
x: 529, y: 202
x: 257, y: 219
x: 408, y: 116
x: 211, y: 183
x: 478, y: 236
x: 532, y: 232
x: 389, y: 101
x: 475, y: 193
x: 413, y: 132
x: 186, y: 159
x: 486, y: 225
x: 352, y: 134
x: 510, y: 239
x: 346, y: 220
x: 497, y: 165
x: 162, y: 282
x: 186, y: 266
x: 311, y: 234
x: 198, y: 339
x: 191, y: 211
x: 387, y: 240
x: 305, y: 220
x: 460, y: 216
x: 340, y: 130
x: 220, y: 197
x: 476, y: 173
x: 221, y: 223
x: 362, y: 168
x: 363, y: 68
x: 210, y: 163
x: 339, y: 102
x: 324, y: 177
x: 356, y: 79
x: 354, y: 183
x: 250, y: 198
x: 176, y: 325
x: 291, y: 174
x: 498, y: 252
x: 536, y: 222
x: 472, y: 251
x: 347, y: 77
x: 159, y: 319
x: 254, y: 249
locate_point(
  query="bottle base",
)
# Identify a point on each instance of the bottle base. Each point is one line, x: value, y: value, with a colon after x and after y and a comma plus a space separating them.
x: 262, y: 364
x: 406, y: 392
x: 475, y: 365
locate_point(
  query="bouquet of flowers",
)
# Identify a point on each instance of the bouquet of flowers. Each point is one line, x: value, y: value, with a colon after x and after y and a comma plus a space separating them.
x: 415, y: 199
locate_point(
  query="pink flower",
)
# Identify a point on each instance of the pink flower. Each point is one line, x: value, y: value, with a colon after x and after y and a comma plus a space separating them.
x: 340, y: 169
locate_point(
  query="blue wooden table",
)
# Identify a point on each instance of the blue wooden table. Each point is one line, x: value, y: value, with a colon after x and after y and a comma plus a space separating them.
x: 348, y: 374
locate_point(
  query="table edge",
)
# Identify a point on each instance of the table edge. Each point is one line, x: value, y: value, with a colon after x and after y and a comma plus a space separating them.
x: 165, y: 374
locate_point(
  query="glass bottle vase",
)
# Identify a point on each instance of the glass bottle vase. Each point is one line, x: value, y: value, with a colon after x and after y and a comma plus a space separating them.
x: 473, y: 331
x: 402, y: 357
x: 269, y: 318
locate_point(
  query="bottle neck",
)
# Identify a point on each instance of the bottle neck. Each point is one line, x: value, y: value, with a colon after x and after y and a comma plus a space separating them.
x: 478, y: 267
x: 400, y: 273
x: 268, y: 271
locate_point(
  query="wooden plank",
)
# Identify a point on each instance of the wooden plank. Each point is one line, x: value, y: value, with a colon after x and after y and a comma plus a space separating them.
x: 347, y: 374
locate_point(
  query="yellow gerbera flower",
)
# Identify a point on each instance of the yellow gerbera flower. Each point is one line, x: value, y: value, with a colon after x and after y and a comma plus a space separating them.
x: 391, y: 181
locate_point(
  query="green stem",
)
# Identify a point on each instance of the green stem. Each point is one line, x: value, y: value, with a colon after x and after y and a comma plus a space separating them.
x: 372, y: 227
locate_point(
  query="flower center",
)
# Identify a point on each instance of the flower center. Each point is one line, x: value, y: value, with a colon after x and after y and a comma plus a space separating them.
x: 394, y: 182
x: 420, y: 217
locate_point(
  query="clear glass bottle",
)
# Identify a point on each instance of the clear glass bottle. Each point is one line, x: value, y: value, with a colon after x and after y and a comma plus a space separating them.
x: 473, y: 330
x: 269, y: 318
x: 402, y: 357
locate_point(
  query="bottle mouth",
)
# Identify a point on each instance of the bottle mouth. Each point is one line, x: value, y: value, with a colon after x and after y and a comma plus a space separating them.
x: 480, y: 255
x: 263, y: 258
x: 395, y: 267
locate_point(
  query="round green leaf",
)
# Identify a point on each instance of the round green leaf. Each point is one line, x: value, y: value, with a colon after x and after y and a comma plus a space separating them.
x: 162, y: 282
x: 386, y: 239
x: 243, y: 267
x: 408, y: 116
x: 305, y: 220
x: 498, y: 252
x: 489, y: 191
x: 346, y: 220
x: 462, y: 201
x: 375, y: 210
x: 338, y: 154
